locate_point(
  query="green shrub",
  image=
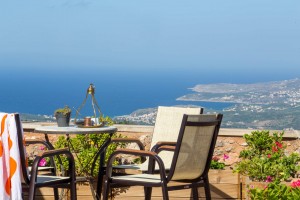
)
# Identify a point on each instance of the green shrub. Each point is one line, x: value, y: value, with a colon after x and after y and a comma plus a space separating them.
x: 264, y: 157
x: 216, y: 163
x: 276, y: 191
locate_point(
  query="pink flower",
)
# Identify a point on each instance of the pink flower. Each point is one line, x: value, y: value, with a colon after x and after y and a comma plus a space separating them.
x: 42, y: 148
x: 42, y: 162
x: 269, y: 179
x: 274, y: 148
x: 269, y: 155
x: 225, y: 157
x: 295, y: 184
x: 215, y: 158
x: 279, y: 145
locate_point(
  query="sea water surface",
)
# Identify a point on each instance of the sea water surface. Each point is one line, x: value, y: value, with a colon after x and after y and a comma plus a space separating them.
x: 118, y: 93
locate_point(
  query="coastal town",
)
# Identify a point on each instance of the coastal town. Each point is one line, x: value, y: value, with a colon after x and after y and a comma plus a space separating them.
x: 270, y: 105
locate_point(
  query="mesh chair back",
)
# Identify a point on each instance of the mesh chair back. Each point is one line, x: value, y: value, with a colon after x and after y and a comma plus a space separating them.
x: 167, y: 126
x: 196, y: 144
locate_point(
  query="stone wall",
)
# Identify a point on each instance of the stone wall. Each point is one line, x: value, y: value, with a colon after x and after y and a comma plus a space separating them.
x: 230, y: 141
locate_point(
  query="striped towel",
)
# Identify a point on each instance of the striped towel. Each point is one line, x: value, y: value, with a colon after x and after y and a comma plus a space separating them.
x: 10, y: 164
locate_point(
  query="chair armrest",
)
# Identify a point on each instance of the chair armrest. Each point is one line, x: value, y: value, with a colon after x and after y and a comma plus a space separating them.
x: 49, y: 146
x: 51, y: 153
x: 55, y: 152
x: 33, y: 141
x: 117, y: 140
x: 130, y: 140
x: 135, y: 152
x: 165, y: 148
x: 152, y: 155
x: 162, y: 143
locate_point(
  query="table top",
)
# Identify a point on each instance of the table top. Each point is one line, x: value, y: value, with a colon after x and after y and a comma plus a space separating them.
x: 74, y: 130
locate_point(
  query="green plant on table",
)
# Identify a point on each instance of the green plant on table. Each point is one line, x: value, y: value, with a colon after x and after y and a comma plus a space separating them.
x: 64, y: 111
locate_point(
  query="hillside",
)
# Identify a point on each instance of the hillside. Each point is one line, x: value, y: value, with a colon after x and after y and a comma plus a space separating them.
x: 270, y: 105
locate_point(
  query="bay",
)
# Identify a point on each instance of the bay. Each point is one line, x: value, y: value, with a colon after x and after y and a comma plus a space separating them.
x: 121, y: 92
x: 43, y: 91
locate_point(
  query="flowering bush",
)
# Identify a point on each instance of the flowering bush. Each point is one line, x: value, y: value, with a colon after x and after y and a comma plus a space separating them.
x: 276, y: 191
x: 296, y: 184
x: 35, y: 150
x: 217, y: 164
x: 264, y: 158
x: 43, y: 162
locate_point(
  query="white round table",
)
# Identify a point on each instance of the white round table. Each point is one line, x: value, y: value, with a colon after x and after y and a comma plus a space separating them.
x: 82, y: 130
x: 74, y: 130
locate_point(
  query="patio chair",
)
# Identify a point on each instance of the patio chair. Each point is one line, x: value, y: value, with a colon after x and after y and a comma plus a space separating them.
x: 166, y: 129
x: 190, y: 164
x: 20, y: 180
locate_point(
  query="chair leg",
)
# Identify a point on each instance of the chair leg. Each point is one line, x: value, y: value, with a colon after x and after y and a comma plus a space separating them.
x: 195, y: 193
x: 73, y: 191
x: 56, y: 196
x: 106, y: 190
x: 101, y: 174
x: 31, y: 193
x: 207, y: 189
x: 165, y: 192
x: 94, y: 192
x: 99, y: 184
x: 148, y: 193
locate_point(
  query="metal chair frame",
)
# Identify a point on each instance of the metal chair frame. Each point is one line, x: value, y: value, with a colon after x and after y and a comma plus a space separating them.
x: 141, y: 147
x: 200, y: 181
x: 32, y: 180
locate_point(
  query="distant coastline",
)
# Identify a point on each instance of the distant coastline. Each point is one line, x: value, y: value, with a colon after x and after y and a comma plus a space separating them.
x: 270, y: 105
x: 207, y: 100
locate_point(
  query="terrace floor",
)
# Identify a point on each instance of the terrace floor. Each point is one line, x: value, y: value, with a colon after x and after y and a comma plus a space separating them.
x: 223, y: 184
x: 137, y: 193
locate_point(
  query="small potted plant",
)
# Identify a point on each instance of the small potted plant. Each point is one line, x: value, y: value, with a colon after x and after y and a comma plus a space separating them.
x: 62, y: 116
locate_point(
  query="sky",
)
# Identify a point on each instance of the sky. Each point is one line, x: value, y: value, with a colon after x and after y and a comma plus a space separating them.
x: 168, y: 44
x: 233, y: 37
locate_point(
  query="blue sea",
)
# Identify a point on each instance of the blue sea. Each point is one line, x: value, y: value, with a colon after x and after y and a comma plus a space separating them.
x: 118, y: 93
